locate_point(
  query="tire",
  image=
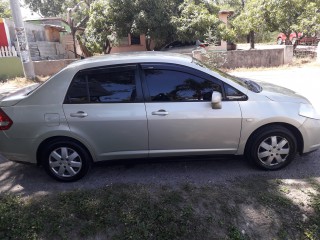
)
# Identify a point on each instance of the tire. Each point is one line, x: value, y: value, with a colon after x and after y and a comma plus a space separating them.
x: 65, y: 160
x: 279, y: 41
x: 271, y: 148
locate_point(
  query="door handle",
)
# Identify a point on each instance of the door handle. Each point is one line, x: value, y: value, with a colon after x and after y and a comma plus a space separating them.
x: 160, y: 112
x: 79, y: 114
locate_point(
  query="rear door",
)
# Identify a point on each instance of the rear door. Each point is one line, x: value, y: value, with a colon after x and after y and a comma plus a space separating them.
x: 180, y: 117
x: 104, y: 108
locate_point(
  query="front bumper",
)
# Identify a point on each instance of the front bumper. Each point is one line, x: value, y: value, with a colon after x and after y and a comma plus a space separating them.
x: 310, y: 130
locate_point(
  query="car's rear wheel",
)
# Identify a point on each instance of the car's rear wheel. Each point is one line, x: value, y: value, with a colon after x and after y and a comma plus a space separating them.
x: 65, y: 160
x: 272, y: 148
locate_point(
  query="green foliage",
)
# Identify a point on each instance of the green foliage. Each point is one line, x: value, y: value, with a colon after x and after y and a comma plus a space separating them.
x: 282, y: 15
x: 279, y: 15
x: 100, y: 31
x: 110, y: 20
x: 227, y: 33
x: 309, y: 20
x: 4, y: 9
x: 196, y: 19
x: 250, y: 19
x: 153, y: 18
x: 52, y: 9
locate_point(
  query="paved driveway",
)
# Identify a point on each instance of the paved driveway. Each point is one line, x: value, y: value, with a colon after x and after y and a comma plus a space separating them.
x: 304, y: 80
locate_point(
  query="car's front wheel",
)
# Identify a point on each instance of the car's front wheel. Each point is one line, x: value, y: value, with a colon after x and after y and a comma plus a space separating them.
x: 272, y: 148
x: 65, y: 160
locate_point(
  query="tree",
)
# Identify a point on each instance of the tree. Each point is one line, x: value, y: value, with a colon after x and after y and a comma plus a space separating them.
x: 54, y: 8
x: 280, y: 15
x: 51, y: 8
x: 250, y: 20
x: 110, y: 20
x: 309, y: 20
x: 4, y: 9
x: 100, y: 31
x: 196, y: 18
x: 153, y: 18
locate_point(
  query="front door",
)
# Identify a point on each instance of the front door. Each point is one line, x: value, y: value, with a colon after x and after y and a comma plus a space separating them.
x: 180, y: 117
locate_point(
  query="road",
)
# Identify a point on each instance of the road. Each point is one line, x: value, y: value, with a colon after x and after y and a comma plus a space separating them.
x: 30, y: 180
x: 303, y: 80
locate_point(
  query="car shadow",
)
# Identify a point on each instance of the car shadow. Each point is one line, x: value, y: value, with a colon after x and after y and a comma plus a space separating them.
x: 29, y: 180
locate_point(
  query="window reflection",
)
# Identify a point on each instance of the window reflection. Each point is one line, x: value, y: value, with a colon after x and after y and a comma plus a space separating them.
x: 103, y: 87
x: 169, y: 85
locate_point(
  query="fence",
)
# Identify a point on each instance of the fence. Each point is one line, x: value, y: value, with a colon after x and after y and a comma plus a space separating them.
x: 8, y: 52
x: 10, y: 63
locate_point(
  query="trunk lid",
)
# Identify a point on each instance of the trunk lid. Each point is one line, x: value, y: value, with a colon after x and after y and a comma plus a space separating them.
x: 15, y: 97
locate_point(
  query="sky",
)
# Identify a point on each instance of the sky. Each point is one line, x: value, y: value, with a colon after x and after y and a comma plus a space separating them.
x: 26, y: 12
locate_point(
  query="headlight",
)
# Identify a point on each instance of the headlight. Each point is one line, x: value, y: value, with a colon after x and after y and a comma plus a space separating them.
x: 307, y: 110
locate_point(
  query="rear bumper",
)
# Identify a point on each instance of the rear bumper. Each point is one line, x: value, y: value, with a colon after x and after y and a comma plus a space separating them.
x: 18, y: 150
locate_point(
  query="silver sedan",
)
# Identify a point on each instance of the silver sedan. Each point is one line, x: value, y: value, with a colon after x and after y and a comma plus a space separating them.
x: 140, y: 105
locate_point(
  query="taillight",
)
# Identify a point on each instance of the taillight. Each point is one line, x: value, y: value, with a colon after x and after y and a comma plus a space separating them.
x: 5, y: 121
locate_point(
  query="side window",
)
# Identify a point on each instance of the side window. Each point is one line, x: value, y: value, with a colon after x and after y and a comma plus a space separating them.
x: 103, y: 86
x: 171, y: 85
x: 233, y: 94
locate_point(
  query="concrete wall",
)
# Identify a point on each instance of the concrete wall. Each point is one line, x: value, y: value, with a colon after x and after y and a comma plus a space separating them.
x: 50, y: 67
x: 254, y: 58
x: 248, y: 58
x: 10, y: 67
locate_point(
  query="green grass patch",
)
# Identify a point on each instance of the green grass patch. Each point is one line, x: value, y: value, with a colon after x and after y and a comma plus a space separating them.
x: 129, y: 211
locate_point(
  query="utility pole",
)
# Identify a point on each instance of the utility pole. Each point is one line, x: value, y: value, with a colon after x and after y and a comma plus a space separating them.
x: 28, y: 68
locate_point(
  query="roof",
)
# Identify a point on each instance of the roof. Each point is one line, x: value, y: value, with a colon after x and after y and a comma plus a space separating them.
x: 59, y: 28
x: 230, y: 12
x: 132, y: 57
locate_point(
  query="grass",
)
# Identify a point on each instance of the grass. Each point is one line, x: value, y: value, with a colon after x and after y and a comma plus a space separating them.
x: 250, y: 209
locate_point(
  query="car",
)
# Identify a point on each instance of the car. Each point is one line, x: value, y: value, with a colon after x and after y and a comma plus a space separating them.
x: 301, y: 39
x: 184, y: 46
x: 148, y: 105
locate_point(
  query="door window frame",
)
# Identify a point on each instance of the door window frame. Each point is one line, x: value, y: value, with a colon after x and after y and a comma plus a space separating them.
x: 178, y: 68
x: 117, y: 68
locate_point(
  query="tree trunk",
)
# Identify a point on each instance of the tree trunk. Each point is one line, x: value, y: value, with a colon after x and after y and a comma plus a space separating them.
x: 287, y: 41
x: 73, y: 32
x: 251, y: 39
x: 296, y: 42
x: 248, y: 38
x: 83, y: 48
x: 242, y: 3
x: 107, y: 47
x: 148, y: 44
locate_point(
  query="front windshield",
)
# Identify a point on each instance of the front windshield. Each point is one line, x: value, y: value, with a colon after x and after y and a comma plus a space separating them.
x: 246, y: 83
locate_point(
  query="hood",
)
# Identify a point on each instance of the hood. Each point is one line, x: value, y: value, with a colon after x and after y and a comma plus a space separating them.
x: 281, y: 94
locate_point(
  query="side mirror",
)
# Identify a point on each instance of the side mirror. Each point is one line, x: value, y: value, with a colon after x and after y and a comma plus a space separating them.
x: 216, y: 100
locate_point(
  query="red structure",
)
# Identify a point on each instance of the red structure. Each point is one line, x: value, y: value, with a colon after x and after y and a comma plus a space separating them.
x: 3, y: 35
